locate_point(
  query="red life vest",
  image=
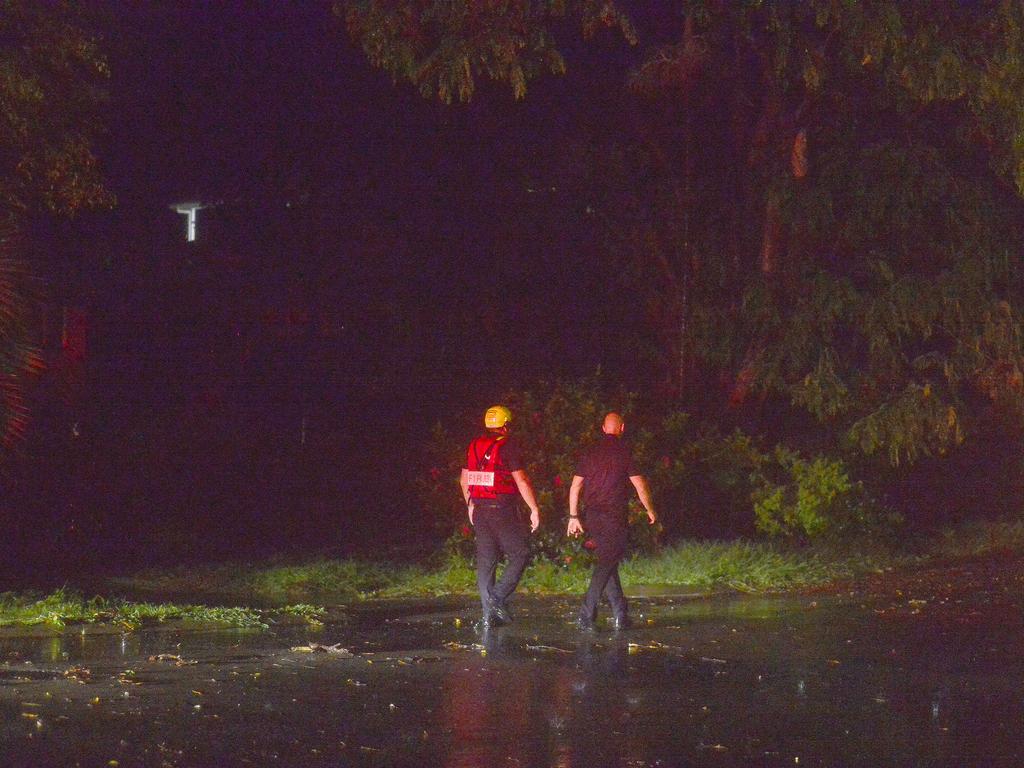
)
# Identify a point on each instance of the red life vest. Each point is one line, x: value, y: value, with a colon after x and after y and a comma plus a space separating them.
x: 484, y: 455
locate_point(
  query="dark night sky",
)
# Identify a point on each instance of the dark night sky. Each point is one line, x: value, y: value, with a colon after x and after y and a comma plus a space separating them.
x: 219, y: 100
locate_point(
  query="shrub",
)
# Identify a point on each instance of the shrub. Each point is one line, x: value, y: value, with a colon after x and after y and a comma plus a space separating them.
x: 813, y: 499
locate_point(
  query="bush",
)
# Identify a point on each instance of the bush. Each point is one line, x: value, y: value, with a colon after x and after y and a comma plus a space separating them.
x: 813, y: 499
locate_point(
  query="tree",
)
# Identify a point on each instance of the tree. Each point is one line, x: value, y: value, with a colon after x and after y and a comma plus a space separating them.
x: 822, y: 196
x: 443, y: 46
x: 51, y: 85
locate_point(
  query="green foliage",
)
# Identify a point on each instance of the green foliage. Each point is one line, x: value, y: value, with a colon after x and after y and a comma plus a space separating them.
x: 63, y: 607
x: 454, y: 575
x: 705, y: 565
x: 741, y: 565
x: 339, y: 579
x: 276, y: 585
x: 444, y: 46
x: 813, y: 499
x: 704, y: 478
x: 909, y: 424
x: 52, y: 75
x: 843, y: 239
x: 703, y: 481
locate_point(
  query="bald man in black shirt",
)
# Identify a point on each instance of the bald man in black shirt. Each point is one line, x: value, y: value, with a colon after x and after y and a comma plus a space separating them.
x: 602, y: 474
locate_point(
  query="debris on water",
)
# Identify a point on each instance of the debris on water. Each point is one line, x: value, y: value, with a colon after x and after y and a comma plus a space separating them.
x: 128, y: 678
x: 172, y: 657
x: 452, y: 645
x: 334, y: 650
x: 712, y: 660
x: 653, y: 645
x: 547, y: 648
x: 78, y: 674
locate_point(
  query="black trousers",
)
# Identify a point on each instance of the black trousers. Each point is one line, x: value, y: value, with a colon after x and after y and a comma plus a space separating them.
x: 611, y: 535
x: 499, y: 530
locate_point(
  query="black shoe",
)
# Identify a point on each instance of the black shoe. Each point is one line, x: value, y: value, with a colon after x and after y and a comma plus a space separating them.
x: 500, y: 615
x: 585, y: 623
x: 622, y: 622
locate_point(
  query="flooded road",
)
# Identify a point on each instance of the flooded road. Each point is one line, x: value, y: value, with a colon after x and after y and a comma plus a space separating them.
x: 837, y: 680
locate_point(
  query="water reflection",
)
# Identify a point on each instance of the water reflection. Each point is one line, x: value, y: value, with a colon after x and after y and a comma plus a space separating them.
x: 486, y: 711
x: 570, y: 710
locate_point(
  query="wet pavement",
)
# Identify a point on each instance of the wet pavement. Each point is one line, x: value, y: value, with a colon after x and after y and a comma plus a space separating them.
x: 812, y: 680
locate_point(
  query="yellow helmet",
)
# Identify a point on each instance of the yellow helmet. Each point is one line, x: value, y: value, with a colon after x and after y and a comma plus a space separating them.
x: 497, y: 416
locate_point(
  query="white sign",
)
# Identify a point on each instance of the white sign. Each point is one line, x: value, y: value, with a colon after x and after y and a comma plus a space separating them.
x: 485, y: 479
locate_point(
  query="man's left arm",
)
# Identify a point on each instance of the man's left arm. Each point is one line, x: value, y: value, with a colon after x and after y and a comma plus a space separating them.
x: 575, y: 527
x: 522, y: 481
x: 644, y: 492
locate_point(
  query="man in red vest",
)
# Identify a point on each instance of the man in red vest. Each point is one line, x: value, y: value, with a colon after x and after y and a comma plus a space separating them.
x: 491, y: 482
x: 604, y: 473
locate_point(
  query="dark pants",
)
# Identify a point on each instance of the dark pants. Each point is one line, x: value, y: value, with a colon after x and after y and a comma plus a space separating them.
x: 499, y: 530
x: 611, y: 535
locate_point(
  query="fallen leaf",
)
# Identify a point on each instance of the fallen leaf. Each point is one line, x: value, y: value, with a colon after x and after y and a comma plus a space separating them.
x: 178, y: 661
x: 334, y: 650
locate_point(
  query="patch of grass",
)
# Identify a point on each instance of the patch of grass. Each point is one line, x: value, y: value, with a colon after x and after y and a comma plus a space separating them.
x: 311, y: 614
x: 456, y: 576
x: 694, y: 565
x: 743, y: 566
x: 337, y: 579
x: 977, y: 538
x: 334, y: 580
x: 64, y: 607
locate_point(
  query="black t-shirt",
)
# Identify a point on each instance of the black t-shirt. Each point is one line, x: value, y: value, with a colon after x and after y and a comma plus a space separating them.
x: 606, y: 468
x: 510, y: 455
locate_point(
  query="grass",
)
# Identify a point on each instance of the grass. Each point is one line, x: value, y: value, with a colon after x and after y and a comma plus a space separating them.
x: 291, y: 591
x: 274, y: 585
x: 742, y: 566
x: 694, y: 565
x: 698, y: 565
x: 63, y: 607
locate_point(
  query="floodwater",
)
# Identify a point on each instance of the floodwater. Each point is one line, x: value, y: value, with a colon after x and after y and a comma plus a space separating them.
x: 726, y: 681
